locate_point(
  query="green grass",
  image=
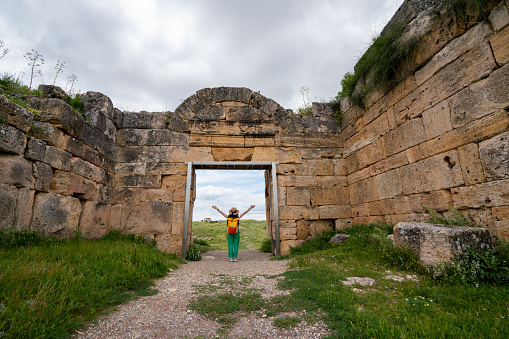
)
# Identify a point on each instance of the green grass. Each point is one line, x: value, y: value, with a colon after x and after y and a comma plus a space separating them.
x: 252, y: 234
x: 424, y: 308
x: 49, y: 288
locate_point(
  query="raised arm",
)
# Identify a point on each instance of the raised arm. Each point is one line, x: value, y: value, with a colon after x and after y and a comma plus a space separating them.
x: 217, y: 209
x: 249, y: 209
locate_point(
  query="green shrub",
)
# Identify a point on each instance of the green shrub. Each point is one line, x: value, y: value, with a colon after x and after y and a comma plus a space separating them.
x: 193, y: 254
x: 456, y: 218
x: 266, y: 246
x: 76, y: 103
x: 317, y: 243
x: 202, y: 244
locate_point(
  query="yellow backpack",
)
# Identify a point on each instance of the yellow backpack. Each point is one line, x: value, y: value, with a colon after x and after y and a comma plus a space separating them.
x: 233, y: 224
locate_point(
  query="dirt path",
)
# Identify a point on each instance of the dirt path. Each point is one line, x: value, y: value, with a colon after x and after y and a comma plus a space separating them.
x: 165, y: 315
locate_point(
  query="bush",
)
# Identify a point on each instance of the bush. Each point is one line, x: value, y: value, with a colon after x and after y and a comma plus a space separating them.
x: 456, y: 218
x: 193, y: 254
x: 10, y: 238
x: 202, y: 244
x: 317, y: 243
x: 266, y: 246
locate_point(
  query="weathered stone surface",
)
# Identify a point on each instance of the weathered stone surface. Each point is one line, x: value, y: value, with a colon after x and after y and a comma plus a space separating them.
x: 298, y: 196
x: 501, y: 220
x: 296, y: 181
x: 287, y: 244
x: 164, y: 195
x: 331, y: 180
x: 363, y: 191
x: 177, y: 221
x: 12, y: 140
x: 60, y: 114
x: 73, y: 145
x: 366, y: 156
x: 98, y: 141
x: 126, y: 196
x: 72, y: 184
x: 232, y: 154
x: 437, y: 120
x: 339, y: 167
x: 95, y: 219
x: 87, y: 170
x: 310, y: 212
x: 438, y: 200
x: 362, y: 210
x: 329, y: 196
x: 339, y: 238
x: 51, y: 91
x: 490, y: 194
x: 435, y: 173
x: 136, y: 120
x: 48, y: 133
x: 381, y: 207
x: 147, y: 218
x: 98, y: 102
x: 389, y: 184
x: 137, y: 180
x: 290, y: 212
x: 471, y: 166
x: 56, y: 214
x: 57, y: 158
x: 264, y: 154
x: 494, y: 155
x: 474, y: 131
x: 334, y: 212
x: 481, y: 98
x: 388, y: 164
x: 499, y: 17
x: 8, y: 197
x: 405, y: 136
x: 316, y: 227
x: 43, y: 174
x: 455, y: 49
x: 438, y: 243
x: 24, y: 207
x: 16, y: 171
x: 15, y: 115
x: 499, y: 44
x: 468, y: 68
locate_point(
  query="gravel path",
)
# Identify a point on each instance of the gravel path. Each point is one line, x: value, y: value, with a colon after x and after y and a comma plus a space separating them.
x: 165, y: 315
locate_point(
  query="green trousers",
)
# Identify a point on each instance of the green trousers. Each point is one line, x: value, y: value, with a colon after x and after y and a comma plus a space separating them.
x: 233, y: 245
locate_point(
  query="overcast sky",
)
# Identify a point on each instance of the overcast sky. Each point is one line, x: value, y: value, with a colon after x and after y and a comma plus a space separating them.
x: 152, y: 54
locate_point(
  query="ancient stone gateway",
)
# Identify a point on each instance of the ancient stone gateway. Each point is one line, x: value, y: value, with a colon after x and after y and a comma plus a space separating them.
x: 231, y: 128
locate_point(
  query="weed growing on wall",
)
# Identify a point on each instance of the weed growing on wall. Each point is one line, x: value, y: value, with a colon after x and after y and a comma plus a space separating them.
x: 455, y: 218
x: 469, y: 9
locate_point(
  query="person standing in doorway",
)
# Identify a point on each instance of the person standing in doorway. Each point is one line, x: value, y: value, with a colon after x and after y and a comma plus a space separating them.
x: 233, y: 238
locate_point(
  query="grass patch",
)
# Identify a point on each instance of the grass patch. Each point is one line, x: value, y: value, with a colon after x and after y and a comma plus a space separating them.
x: 252, y: 234
x: 286, y: 321
x: 51, y: 287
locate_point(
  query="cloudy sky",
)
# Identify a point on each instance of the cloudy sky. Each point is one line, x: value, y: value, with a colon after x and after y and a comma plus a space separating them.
x: 152, y: 54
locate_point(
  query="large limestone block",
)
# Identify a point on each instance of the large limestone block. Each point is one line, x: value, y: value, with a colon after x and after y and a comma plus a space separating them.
x: 164, y: 195
x: 137, y: 180
x: 96, y: 139
x: 329, y: 196
x: 72, y: 184
x: 439, y: 172
x: 494, y: 155
x: 232, y: 154
x: 135, y: 168
x: 16, y: 171
x: 311, y: 212
x: 487, y: 194
x: 285, y: 245
x: 329, y: 181
x: 363, y: 191
x: 362, y: 210
x: 296, y: 181
x: 126, y: 195
x: 163, y: 168
x: 471, y: 166
x: 499, y: 17
x: 57, y: 158
x: 8, y: 197
x: 298, y: 196
x: 24, y: 208
x: 260, y: 140
x: 15, y: 115
x: 366, y: 156
x: 474, y: 131
x: 43, y: 174
x: 12, y: 140
x: 317, y: 227
x: 264, y: 154
x: 463, y: 71
x: 438, y: 200
x: 95, y: 219
x: 316, y: 139
x: 481, y: 98
x: 36, y: 150
x: 405, y: 136
x: 60, y: 114
x: 174, y: 181
x: 455, y: 49
x: 339, y: 167
x: 381, y: 207
x: 87, y: 170
x: 501, y: 220
x: 73, y: 145
x: 437, y: 120
x: 389, y: 184
x: 335, y: 212
x: 290, y: 212
x: 98, y: 102
x: 334, y: 153
x: 288, y: 155
x: 438, y: 243
x: 177, y: 220
x: 48, y: 133
x: 136, y: 120
x: 147, y: 218
x: 500, y: 45
x: 398, y: 160
x: 56, y: 214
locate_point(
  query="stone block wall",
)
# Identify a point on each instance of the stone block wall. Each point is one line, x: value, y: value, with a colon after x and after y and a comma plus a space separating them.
x: 57, y: 166
x: 441, y: 136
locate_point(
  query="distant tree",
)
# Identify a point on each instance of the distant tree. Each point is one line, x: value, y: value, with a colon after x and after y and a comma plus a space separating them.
x: 34, y: 60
